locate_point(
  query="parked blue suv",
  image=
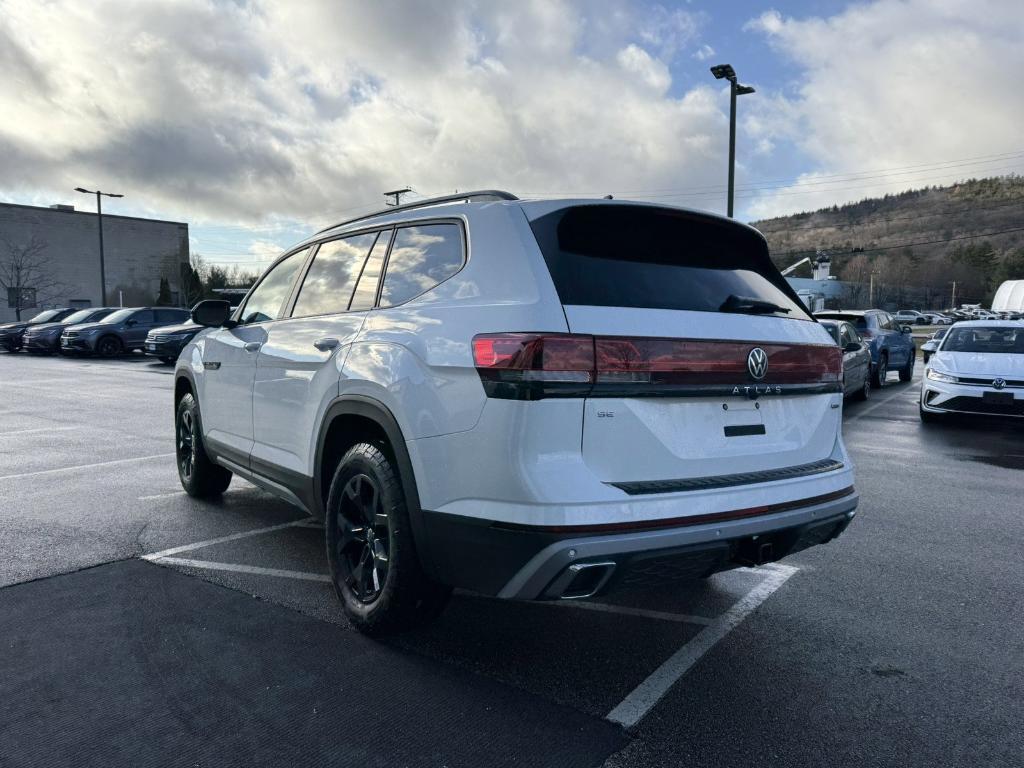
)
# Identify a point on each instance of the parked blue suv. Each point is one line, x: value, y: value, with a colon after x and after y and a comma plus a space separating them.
x: 891, y: 345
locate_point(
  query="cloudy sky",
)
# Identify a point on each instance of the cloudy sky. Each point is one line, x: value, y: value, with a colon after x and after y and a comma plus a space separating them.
x: 257, y: 121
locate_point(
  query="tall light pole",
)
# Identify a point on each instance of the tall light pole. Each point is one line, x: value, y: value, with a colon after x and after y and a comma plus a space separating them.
x: 99, y: 223
x: 397, y: 194
x: 726, y: 72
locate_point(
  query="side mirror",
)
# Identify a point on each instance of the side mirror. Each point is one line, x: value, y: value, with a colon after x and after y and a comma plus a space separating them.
x: 130, y: 323
x: 906, y: 329
x: 212, y: 313
x: 853, y: 346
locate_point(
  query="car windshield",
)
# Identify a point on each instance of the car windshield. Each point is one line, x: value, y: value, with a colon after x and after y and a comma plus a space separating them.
x: 117, y: 317
x: 985, y: 339
x: 43, y: 317
x: 78, y: 317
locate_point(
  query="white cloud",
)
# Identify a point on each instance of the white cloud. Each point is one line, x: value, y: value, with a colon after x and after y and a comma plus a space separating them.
x: 249, y: 111
x: 892, y: 84
x: 704, y: 53
x: 637, y: 61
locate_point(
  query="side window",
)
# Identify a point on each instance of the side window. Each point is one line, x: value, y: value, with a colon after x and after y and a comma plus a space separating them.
x: 327, y: 287
x: 847, y: 335
x: 267, y: 299
x: 421, y: 258
x: 143, y: 317
x: 366, y: 288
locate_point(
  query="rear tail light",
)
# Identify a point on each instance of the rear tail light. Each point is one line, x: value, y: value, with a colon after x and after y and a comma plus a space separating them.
x: 530, y: 366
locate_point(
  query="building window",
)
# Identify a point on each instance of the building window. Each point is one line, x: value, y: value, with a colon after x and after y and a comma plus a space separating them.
x: 27, y: 298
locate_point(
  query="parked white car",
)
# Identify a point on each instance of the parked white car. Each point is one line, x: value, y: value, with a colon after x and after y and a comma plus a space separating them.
x: 937, y: 318
x: 978, y: 368
x: 540, y: 399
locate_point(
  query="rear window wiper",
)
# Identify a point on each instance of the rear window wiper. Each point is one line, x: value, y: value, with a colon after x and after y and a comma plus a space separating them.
x: 750, y: 306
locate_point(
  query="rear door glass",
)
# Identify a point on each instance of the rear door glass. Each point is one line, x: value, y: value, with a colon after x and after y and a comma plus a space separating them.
x: 635, y: 256
x: 327, y: 287
x: 366, y: 289
x: 421, y: 257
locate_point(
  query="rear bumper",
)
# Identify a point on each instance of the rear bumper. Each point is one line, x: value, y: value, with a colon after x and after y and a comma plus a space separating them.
x: 537, y: 563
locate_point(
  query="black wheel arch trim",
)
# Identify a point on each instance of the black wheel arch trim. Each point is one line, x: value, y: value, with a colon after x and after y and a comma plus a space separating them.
x: 374, y: 410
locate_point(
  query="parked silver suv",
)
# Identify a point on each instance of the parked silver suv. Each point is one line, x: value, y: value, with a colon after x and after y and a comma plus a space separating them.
x: 532, y: 399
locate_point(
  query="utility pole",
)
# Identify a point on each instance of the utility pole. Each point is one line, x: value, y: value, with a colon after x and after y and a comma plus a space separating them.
x: 871, y: 290
x: 725, y: 71
x: 953, y: 305
x: 397, y: 195
x: 99, y: 224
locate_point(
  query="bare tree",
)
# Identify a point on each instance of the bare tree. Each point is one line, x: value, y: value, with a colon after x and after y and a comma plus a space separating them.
x: 26, y: 275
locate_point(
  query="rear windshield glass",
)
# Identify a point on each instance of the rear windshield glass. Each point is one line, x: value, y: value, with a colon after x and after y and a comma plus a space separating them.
x: 633, y: 256
x: 858, y: 321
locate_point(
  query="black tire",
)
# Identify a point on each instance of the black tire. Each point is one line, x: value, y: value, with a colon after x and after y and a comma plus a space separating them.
x: 109, y: 346
x: 880, y: 372
x: 865, y: 391
x: 907, y: 371
x: 168, y: 360
x: 200, y: 477
x: 928, y: 418
x: 924, y: 357
x: 12, y: 347
x: 370, y: 548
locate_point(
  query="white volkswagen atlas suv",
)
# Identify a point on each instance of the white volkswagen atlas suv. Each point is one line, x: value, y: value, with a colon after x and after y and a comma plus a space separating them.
x: 535, y: 400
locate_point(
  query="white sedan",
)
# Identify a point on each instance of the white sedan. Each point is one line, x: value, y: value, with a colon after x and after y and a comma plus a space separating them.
x: 978, y: 368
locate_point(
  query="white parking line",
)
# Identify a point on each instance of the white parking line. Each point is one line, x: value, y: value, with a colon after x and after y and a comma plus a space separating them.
x: 304, y: 523
x: 879, y: 403
x: 84, y: 466
x: 37, y: 429
x: 161, y: 496
x: 236, y: 568
x: 681, y: 618
x: 640, y: 701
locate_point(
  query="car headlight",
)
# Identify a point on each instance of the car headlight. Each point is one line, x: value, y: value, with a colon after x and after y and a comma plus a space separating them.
x: 936, y: 375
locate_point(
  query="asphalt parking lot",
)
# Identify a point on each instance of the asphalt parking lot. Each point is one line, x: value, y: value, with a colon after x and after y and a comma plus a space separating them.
x: 140, y: 626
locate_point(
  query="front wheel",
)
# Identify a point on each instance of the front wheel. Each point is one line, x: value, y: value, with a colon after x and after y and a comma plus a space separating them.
x: 370, y: 548
x: 199, y: 476
x: 109, y: 346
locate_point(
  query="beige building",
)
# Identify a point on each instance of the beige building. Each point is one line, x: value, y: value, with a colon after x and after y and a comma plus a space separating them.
x: 58, y: 249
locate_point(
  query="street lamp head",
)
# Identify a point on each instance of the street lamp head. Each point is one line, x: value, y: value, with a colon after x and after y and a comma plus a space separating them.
x: 111, y: 194
x: 723, y: 71
x: 742, y: 90
x: 86, y: 191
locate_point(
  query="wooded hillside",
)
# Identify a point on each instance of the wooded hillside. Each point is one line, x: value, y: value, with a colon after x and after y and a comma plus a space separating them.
x: 917, y: 242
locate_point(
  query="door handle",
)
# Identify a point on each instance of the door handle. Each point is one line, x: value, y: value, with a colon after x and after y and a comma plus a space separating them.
x: 326, y: 345
x: 252, y: 346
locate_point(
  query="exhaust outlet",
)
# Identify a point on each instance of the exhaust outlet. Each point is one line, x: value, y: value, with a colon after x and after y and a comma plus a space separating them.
x: 581, y: 580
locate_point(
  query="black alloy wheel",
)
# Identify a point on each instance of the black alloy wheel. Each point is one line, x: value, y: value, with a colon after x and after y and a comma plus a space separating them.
x: 186, y: 445
x: 109, y: 346
x: 881, y: 371
x: 364, y: 539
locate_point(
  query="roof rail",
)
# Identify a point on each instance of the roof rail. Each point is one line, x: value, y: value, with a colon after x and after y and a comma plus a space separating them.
x: 477, y: 196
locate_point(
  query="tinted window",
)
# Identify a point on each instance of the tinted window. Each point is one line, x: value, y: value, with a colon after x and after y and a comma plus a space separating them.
x: 833, y: 330
x: 328, y: 285
x: 421, y: 258
x: 848, y: 335
x: 858, y: 321
x: 170, y: 316
x: 634, y: 256
x: 884, y: 322
x: 143, y: 317
x: 267, y: 299
x: 47, y: 316
x: 366, y: 289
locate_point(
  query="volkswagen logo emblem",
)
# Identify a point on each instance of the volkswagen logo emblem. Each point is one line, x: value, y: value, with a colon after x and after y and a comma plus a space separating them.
x: 757, y: 363
x: 999, y: 383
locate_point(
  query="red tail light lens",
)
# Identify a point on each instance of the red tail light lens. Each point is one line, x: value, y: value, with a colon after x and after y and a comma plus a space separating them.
x: 527, y: 366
